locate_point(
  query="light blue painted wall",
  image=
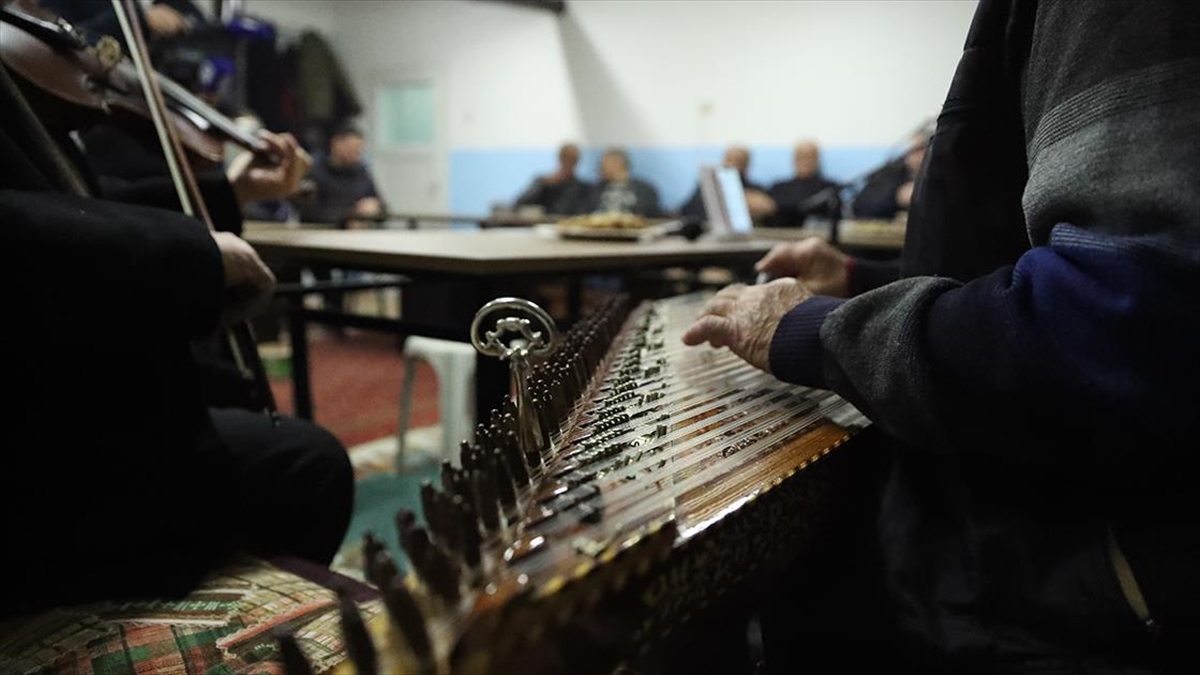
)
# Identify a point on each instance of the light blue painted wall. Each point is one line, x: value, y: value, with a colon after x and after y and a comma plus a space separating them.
x: 481, y: 177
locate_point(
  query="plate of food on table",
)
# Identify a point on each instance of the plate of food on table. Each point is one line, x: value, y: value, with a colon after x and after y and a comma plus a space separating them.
x: 614, y: 226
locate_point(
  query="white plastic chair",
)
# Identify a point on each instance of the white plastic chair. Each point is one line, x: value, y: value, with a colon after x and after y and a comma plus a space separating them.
x: 454, y: 365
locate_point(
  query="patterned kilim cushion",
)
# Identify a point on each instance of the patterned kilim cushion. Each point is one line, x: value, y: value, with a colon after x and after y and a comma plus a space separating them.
x: 224, y: 627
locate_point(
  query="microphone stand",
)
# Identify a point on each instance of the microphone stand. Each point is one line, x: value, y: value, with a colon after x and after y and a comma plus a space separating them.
x: 828, y: 197
x: 828, y: 200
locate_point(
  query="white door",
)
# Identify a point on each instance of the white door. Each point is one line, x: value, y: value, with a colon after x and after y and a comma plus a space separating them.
x: 409, y: 157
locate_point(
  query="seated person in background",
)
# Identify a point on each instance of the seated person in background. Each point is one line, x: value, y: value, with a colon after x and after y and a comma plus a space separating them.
x: 561, y: 192
x: 889, y: 190
x: 761, y: 206
x: 618, y: 191
x: 344, y: 190
x: 161, y: 19
x: 791, y: 195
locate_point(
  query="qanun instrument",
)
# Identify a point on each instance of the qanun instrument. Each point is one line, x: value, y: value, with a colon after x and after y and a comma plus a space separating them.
x: 629, y: 483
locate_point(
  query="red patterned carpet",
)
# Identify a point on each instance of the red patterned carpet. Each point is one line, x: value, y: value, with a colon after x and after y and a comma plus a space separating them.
x: 356, y: 387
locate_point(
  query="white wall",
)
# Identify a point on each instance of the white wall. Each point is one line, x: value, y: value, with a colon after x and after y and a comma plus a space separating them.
x: 697, y: 73
x: 667, y: 72
x: 669, y: 76
x: 501, y: 68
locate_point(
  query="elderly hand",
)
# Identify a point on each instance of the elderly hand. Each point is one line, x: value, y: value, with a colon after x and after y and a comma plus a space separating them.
x: 248, y: 280
x: 254, y: 180
x: 165, y: 21
x: 744, y: 318
x: 368, y: 207
x: 821, y: 267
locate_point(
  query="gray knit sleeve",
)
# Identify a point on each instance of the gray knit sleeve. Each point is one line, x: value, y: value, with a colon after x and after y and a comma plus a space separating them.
x: 876, y: 357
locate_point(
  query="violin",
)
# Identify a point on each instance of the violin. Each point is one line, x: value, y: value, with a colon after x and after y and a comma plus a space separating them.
x: 62, y: 69
x: 52, y: 56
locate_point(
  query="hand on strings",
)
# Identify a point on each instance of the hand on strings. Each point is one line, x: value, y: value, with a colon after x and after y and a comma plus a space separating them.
x: 248, y: 282
x: 822, y: 268
x: 368, y: 207
x: 744, y: 318
x: 255, y: 180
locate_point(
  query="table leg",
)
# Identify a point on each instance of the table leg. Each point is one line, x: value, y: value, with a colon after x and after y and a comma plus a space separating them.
x: 574, y: 298
x: 302, y: 403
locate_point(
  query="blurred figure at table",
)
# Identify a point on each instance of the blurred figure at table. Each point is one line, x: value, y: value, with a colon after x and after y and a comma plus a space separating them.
x: 888, y: 191
x: 619, y: 191
x: 807, y: 192
x: 761, y: 205
x: 560, y: 192
x: 161, y: 20
x: 344, y: 192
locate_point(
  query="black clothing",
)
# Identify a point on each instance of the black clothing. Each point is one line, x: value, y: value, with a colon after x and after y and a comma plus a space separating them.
x: 338, y: 189
x: 877, y: 198
x: 634, y: 196
x: 1038, y: 358
x: 121, y: 483
x: 129, y: 167
x: 791, y: 200
x: 568, y: 198
x: 97, y: 18
x: 694, y: 206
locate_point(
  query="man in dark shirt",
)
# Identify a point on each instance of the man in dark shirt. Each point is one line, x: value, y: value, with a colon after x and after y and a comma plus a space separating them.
x: 1035, y: 366
x: 889, y: 190
x: 621, y: 192
x: 162, y: 19
x: 792, y: 196
x: 561, y: 192
x: 345, y: 192
x: 761, y: 206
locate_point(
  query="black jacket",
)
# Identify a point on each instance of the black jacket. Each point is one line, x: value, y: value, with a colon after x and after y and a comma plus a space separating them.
x: 634, y: 196
x: 567, y: 198
x: 791, y: 197
x: 877, y: 198
x: 338, y: 190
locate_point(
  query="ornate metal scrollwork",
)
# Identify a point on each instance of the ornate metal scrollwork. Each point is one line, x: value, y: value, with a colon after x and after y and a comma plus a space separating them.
x: 522, y: 331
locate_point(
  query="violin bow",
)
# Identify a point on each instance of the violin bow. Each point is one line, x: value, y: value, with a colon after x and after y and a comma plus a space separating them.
x: 241, y: 339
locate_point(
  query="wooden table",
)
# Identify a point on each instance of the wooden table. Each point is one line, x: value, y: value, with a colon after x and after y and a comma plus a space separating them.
x: 478, y: 266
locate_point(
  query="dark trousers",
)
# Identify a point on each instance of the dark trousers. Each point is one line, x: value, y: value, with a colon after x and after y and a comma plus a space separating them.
x: 294, y: 482
x: 135, y: 518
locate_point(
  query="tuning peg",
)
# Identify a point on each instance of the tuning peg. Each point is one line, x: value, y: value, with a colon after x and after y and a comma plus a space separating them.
x: 407, y: 616
x: 382, y: 569
x: 517, y: 466
x: 441, y: 574
x: 370, y: 547
x: 354, y: 631
x: 294, y: 661
x: 503, y: 484
x: 469, y: 541
x: 487, y: 503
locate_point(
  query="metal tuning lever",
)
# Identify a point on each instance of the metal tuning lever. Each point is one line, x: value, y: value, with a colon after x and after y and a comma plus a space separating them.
x: 520, y: 332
